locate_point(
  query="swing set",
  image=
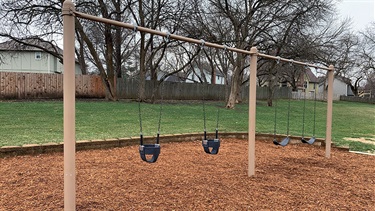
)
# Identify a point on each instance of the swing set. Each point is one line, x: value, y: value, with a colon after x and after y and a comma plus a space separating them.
x: 286, y: 140
x: 147, y: 150
x: 69, y: 14
x: 210, y: 146
x: 312, y: 139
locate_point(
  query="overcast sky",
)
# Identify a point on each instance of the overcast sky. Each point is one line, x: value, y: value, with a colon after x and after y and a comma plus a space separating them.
x: 362, y: 12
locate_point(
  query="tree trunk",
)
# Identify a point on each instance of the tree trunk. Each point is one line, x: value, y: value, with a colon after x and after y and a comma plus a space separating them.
x: 142, y: 55
x: 142, y: 69
x: 270, y: 95
x: 81, y: 55
x: 234, y: 90
x: 110, y: 67
x: 107, y: 84
x: 118, y: 41
x: 142, y: 78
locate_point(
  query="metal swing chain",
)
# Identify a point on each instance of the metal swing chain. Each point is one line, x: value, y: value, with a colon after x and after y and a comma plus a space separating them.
x: 314, y: 113
x: 140, y: 116
x: 217, y: 119
x: 314, y: 108
x: 139, y: 97
x: 287, y: 130
x: 303, y: 116
x: 161, y: 95
x: 217, y: 124
x: 204, y: 107
x: 204, y: 115
x: 304, y: 109
x: 274, y: 128
x: 218, y: 108
x: 160, y: 114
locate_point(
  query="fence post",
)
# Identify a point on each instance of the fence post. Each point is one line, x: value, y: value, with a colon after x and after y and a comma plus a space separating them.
x: 69, y: 107
x: 252, y: 109
x: 329, y: 111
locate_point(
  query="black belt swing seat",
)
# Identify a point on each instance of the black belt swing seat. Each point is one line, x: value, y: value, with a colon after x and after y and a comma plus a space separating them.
x: 312, y: 139
x: 286, y: 140
x: 211, y: 146
x: 149, y: 149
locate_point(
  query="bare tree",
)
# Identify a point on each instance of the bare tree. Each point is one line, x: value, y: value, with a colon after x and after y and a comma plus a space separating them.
x: 303, y: 35
x: 97, y: 43
x: 23, y: 20
x: 161, y: 15
x: 366, y: 60
x: 292, y: 29
x: 265, y: 24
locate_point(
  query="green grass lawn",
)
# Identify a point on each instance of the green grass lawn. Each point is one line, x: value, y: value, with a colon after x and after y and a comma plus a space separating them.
x: 41, y: 121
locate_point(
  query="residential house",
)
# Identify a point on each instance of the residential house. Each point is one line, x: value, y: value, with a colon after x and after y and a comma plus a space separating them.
x: 308, y: 83
x: 198, y: 75
x: 26, y: 57
x: 340, y: 87
x: 177, y: 77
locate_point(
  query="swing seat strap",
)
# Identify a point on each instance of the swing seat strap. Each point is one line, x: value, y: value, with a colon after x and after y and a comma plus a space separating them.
x: 214, y: 145
x: 283, y: 143
x: 311, y: 141
x: 149, y: 149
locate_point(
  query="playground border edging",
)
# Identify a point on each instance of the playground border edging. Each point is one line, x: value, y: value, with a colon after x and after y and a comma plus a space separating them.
x: 36, y: 149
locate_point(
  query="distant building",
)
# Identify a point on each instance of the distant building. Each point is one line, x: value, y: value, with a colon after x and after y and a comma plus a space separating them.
x: 340, y: 87
x: 18, y: 57
x: 197, y: 75
x: 306, y: 82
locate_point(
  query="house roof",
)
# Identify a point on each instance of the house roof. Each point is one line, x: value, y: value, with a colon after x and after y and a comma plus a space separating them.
x: 322, y: 79
x: 30, y: 44
x: 207, y: 71
x: 343, y: 79
x: 175, y: 78
x: 311, y: 76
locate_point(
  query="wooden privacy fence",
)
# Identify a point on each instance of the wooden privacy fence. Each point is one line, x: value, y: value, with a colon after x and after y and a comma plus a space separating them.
x: 14, y: 85
x: 128, y: 89
x: 17, y: 85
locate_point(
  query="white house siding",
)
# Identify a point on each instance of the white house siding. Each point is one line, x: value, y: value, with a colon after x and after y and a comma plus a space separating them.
x: 339, y: 88
x: 26, y: 61
x: 192, y: 77
x: 219, y: 80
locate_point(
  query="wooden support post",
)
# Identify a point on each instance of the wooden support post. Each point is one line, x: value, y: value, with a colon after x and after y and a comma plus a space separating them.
x: 69, y: 107
x: 252, y: 109
x: 329, y: 111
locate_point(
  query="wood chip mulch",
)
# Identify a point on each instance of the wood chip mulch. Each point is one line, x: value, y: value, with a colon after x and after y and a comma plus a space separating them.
x: 295, y: 177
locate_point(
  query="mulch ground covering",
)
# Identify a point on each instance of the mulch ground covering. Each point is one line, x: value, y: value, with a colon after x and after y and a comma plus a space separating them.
x: 296, y: 177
